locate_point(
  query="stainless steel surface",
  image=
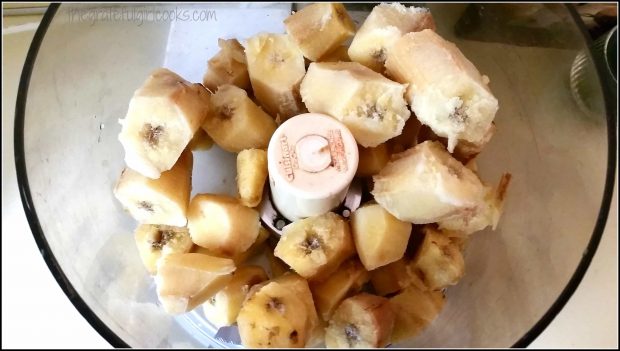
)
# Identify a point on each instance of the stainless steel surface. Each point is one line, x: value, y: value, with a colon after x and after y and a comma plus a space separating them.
x: 557, y: 155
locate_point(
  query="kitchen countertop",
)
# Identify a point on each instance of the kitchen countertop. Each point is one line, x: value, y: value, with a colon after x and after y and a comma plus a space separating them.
x: 32, y: 300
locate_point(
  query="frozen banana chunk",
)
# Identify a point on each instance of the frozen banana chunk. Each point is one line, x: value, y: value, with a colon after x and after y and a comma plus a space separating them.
x: 414, y: 310
x: 439, y: 260
x: 464, y: 151
x: 486, y: 213
x: 223, y: 307
x: 446, y: 91
x: 186, y: 280
x: 236, y: 123
x: 370, y: 105
x: 372, y: 160
x: 338, y: 54
x: 251, y: 176
x: 155, y: 241
x: 383, y: 26
x: 319, y: 28
x: 228, y: 66
x: 163, y: 116
x: 294, y: 282
x: 314, y: 247
x: 425, y: 184
x: 273, y: 316
x: 276, y: 67
x: 257, y: 247
x: 379, y: 237
x: 395, y: 277
x: 361, y: 321
x: 221, y: 224
x: 157, y: 201
x: 345, y: 282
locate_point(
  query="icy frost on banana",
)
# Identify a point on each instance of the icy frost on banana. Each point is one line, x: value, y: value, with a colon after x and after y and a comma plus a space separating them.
x: 383, y: 26
x: 425, y: 184
x: 486, y: 213
x: 370, y: 105
x: 276, y: 67
x: 446, y: 91
x: 163, y: 116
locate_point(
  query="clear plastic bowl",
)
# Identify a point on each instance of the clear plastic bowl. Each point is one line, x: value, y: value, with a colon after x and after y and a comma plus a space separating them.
x: 84, y: 64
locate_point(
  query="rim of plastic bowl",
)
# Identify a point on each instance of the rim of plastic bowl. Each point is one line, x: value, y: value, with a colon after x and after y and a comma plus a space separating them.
x: 116, y: 341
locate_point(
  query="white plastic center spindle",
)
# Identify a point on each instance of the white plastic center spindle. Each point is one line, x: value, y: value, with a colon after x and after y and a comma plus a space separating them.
x: 313, y: 153
x: 312, y: 159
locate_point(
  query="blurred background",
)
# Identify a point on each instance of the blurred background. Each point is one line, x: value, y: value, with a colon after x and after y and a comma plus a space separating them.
x: 36, y: 313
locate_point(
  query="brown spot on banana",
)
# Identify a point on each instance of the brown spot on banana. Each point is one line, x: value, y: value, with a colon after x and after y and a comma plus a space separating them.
x: 151, y: 135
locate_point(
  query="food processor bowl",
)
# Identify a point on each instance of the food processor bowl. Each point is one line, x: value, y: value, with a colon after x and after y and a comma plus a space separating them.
x: 86, y: 61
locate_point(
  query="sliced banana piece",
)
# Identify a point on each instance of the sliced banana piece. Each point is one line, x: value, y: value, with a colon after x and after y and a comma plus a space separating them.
x: 155, y: 241
x: 236, y: 123
x: 257, y: 247
x: 319, y: 28
x: 379, y: 237
x: 345, y: 282
x: 314, y: 247
x: 186, y: 280
x: 395, y: 277
x: 221, y: 224
x: 157, y: 201
x: 439, y: 260
x: 486, y: 214
x: 372, y: 160
x: 294, y: 282
x: 228, y: 66
x: 163, y: 116
x: 464, y: 151
x: 273, y: 316
x: 370, y: 105
x: 223, y: 307
x: 425, y: 184
x: 446, y: 91
x: 276, y: 67
x: 251, y: 176
x: 383, y: 26
x: 361, y: 321
x: 414, y: 310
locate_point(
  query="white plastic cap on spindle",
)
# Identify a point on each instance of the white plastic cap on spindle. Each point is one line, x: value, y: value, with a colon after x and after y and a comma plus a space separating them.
x: 312, y: 159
